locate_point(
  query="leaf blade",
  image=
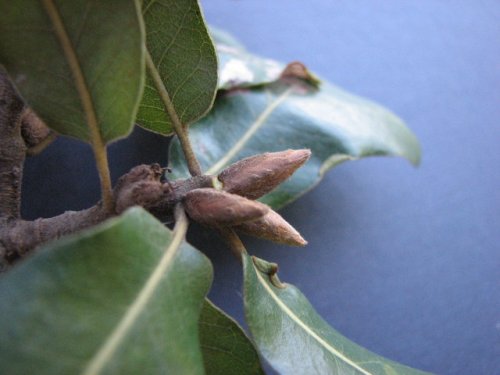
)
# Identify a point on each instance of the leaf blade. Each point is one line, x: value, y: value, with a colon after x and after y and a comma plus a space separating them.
x: 225, y: 346
x: 105, y: 41
x: 238, y: 68
x: 335, y: 125
x: 80, y: 288
x: 295, y: 339
x: 184, y: 58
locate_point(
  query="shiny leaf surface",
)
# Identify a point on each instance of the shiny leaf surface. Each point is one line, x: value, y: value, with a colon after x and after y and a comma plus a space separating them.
x: 184, y: 58
x: 238, y: 67
x: 122, y: 298
x: 335, y: 125
x: 226, y: 348
x: 78, y: 64
x: 295, y: 339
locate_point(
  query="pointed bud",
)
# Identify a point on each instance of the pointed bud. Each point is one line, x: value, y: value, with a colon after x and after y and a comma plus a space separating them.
x: 274, y: 228
x: 258, y: 175
x: 213, y: 207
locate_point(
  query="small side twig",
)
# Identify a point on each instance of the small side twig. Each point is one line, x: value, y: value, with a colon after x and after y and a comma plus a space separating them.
x: 35, y: 133
x: 19, y: 237
x: 141, y: 186
x: 40, y: 146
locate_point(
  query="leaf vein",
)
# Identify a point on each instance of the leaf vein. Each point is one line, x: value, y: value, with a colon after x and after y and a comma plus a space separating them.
x: 304, y: 326
x: 117, y: 336
x: 258, y: 123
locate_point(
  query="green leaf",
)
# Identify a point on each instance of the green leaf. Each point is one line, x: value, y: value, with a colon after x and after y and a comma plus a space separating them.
x: 184, y: 65
x: 294, y: 339
x: 79, y: 64
x: 122, y: 298
x: 239, y: 68
x: 226, y: 348
x: 334, y: 124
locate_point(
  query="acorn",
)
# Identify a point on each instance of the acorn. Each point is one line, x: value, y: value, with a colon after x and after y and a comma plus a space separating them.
x: 219, y: 208
x: 274, y: 228
x: 257, y: 175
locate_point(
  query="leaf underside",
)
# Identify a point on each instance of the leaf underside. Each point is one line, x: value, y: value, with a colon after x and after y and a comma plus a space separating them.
x: 294, y: 339
x: 184, y: 56
x: 240, y: 69
x: 257, y: 111
x: 107, y: 39
x: 65, y: 301
x: 334, y: 124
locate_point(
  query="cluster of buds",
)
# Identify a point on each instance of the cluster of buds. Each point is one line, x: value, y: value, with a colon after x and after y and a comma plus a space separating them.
x: 231, y: 201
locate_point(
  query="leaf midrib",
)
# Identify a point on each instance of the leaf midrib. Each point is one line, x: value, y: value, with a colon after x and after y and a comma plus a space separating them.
x: 105, y: 353
x: 304, y: 326
x: 76, y: 70
x: 248, y: 134
x: 96, y: 138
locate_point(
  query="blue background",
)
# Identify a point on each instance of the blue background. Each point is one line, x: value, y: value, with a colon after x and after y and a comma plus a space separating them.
x: 403, y: 261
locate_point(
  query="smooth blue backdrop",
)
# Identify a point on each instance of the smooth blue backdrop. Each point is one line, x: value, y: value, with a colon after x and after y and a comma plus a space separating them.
x: 403, y: 261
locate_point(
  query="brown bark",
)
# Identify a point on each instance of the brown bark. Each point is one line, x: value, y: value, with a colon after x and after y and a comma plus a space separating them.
x: 142, y: 186
x: 12, y: 150
x: 19, y: 237
x: 21, y: 133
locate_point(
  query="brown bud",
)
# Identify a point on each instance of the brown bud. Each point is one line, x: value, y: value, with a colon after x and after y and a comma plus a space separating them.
x: 298, y: 70
x: 32, y: 127
x: 258, y: 175
x: 274, y: 228
x: 214, y: 207
x: 140, y: 186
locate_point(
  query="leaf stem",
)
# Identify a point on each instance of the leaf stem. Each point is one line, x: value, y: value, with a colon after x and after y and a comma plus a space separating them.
x: 180, y: 129
x: 105, y: 353
x: 96, y: 140
x: 233, y: 241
